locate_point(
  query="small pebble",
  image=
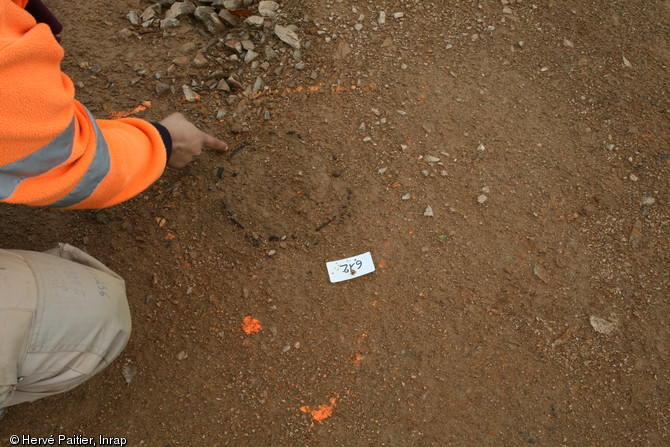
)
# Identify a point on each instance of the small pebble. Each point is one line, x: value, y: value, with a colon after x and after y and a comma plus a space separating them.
x: 428, y: 212
x: 481, y: 199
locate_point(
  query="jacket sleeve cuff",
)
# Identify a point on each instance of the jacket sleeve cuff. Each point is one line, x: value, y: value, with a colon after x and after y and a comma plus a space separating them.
x: 167, y: 139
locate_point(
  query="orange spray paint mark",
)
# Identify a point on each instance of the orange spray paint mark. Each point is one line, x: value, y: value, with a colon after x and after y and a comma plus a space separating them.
x: 382, y: 262
x: 125, y: 113
x: 251, y: 325
x: 322, y: 412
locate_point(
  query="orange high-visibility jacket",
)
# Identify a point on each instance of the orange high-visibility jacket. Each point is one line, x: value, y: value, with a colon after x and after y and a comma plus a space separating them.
x: 52, y: 151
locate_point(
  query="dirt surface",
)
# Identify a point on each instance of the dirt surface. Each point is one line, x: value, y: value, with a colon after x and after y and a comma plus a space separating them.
x: 531, y: 307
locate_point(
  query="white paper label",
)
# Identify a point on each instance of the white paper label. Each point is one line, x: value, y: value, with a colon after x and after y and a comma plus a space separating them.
x: 350, y: 268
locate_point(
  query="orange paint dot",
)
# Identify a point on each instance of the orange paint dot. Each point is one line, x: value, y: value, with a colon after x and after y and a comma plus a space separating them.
x: 251, y: 325
x: 322, y: 412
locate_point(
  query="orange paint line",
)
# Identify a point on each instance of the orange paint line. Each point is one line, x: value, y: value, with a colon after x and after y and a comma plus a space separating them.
x: 125, y: 113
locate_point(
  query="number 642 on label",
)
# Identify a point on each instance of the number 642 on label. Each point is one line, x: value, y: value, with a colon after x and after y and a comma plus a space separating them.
x: 350, y: 268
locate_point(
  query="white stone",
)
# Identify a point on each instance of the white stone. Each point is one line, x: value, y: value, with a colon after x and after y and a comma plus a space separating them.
x: 179, y: 9
x: 602, y: 326
x: 287, y: 36
x: 267, y: 8
x: 189, y: 94
x: 255, y: 21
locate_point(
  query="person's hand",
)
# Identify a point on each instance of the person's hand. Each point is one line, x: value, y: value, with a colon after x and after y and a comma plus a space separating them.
x: 188, y: 140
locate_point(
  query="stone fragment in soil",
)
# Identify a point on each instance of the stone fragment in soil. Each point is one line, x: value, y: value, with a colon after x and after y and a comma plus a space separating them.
x: 150, y: 13
x: 540, y: 273
x: 234, y: 83
x: 268, y: 8
x: 189, y: 94
x: 602, y: 326
x: 199, y: 60
x: 481, y: 199
x: 229, y: 18
x: 255, y: 21
x: 223, y: 85
x: 133, y: 18
x: 287, y: 36
x: 128, y: 372
x: 258, y: 84
x: 179, y: 9
x: 250, y: 56
x: 162, y: 88
x: 428, y: 212
x: 234, y: 45
x: 232, y: 4
x: 208, y: 16
x: 169, y: 23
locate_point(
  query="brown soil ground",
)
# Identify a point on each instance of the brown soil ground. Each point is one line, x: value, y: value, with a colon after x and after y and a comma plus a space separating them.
x: 481, y: 324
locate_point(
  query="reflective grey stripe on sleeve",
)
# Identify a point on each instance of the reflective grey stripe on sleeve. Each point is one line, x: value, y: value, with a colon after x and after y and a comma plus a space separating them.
x: 96, y: 171
x: 53, y: 154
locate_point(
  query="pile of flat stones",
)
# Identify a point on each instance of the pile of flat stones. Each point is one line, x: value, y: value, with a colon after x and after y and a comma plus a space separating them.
x: 243, y: 31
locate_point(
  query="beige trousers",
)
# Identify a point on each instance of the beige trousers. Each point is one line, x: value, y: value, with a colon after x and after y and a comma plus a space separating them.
x: 63, y: 317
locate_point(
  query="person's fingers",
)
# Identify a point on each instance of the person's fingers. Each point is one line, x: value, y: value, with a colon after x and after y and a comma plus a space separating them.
x: 214, y: 143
